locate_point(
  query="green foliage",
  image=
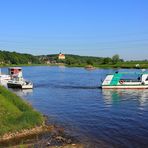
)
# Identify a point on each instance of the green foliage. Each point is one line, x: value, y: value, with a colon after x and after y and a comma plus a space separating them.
x: 89, y: 62
x: 13, y: 58
x: 107, y: 60
x: 115, y: 59
x: 75, y: 60
x: 7, y: 57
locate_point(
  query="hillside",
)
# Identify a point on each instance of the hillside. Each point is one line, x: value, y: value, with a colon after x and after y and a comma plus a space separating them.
x: 76, y: 60
x: 14, y: 58
x: 7, y: 58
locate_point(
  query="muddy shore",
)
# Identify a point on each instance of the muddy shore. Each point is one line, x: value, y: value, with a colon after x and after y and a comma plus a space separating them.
x: 41, y: 136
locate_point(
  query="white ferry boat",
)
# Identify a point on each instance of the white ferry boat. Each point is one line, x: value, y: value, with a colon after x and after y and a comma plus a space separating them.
x: 17, y: 80
x: 4, y: 78
x: 120, y: 80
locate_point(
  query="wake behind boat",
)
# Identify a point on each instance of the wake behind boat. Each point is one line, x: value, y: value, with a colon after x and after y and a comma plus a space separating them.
x: 120, y: 80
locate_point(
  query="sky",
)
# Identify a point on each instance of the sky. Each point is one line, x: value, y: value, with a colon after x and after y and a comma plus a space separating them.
x: 83, y: 27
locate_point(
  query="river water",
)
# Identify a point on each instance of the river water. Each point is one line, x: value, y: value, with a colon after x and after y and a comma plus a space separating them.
x: 71, y: 97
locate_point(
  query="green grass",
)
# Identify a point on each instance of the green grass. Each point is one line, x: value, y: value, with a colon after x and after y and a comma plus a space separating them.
x: 16, y: 114
x: 118, y: 65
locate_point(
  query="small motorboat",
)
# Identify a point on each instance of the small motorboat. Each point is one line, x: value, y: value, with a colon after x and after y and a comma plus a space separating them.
x: 90, y: 67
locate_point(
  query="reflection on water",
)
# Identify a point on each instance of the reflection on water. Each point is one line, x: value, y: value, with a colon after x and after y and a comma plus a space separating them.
x: 23, y: 92
x: 112, y: 96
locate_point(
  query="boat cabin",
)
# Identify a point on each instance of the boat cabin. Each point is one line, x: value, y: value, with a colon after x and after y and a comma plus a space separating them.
x: 15, y: 73
x: 123, y: 79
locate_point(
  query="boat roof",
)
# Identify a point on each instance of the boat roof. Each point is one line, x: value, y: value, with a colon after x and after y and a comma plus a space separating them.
x: 15, y: 67
x: 130, y: 73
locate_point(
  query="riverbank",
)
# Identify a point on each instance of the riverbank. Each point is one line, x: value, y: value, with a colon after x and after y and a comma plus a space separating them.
x: 124, y: 65
x: 16, y: 114
x: 41, y: 136
x: 20, y: 124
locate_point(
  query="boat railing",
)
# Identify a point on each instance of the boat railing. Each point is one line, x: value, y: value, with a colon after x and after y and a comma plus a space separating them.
x: 130, y: 80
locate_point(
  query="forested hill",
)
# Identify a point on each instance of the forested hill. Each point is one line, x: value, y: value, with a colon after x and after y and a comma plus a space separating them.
x: 14, y: 58
x: 84, y: 60
x: 7, y: 58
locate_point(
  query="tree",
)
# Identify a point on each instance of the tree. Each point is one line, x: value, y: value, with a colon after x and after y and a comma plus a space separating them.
x: 115, y: 59
x: 89, y: 62
x: 107, y: 60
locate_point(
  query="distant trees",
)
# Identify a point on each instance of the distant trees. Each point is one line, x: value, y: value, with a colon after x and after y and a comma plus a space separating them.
x: 7, y: 57
x: 89, y: 62
x: 107, y: 60
x: 86, y: 60
x: 115, y: 59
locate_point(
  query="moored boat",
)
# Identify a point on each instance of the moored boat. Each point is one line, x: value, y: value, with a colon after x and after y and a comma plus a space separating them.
x: 90, y: 67
x: 4, y: 78
x: 17, y: 80
x: 120, y: 80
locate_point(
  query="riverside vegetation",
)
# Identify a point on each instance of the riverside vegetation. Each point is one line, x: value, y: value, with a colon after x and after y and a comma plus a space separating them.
x: 21, y: 125
x: 16, y: 114
x: 13, y: 59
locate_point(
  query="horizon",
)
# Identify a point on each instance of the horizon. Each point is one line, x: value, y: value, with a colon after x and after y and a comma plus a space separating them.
x: 85, y: 28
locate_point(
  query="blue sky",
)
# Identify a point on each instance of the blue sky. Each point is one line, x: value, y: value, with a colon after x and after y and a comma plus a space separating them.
x: 83, y: 27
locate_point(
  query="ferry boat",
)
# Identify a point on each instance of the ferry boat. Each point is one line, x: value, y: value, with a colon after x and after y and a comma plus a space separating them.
x: 17, y: 80
x: 4, y: 78
x: 120, y: 80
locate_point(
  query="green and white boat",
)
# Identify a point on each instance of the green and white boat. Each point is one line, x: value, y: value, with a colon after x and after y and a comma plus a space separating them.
x: 120, y: 80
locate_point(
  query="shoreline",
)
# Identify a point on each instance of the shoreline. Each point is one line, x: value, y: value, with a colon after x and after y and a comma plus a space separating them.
x: 33, y: 129
x: 122, y: 66
x: 44, y: 136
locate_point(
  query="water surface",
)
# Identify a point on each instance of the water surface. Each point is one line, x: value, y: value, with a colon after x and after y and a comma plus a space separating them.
x: 99, y: 118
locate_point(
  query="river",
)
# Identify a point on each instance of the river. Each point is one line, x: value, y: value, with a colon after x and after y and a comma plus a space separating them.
x: 71, y: 97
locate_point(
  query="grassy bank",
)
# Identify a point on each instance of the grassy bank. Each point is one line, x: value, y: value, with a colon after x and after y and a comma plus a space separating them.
x: 126, y: 65
x: 16, y: 114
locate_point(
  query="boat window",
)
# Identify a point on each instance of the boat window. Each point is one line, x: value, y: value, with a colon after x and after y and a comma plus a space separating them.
x: 131, y: 77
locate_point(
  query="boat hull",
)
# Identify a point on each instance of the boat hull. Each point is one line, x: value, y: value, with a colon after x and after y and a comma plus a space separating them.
x: 125, y: 87
x: 14, y: 85
x: 11, y: 85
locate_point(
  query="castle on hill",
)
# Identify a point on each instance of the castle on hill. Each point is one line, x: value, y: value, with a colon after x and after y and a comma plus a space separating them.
x: 61, y: 56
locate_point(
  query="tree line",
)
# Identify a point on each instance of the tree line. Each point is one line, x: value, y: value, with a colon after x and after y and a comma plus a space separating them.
x: 84, y: 60
x: 7, y: 57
